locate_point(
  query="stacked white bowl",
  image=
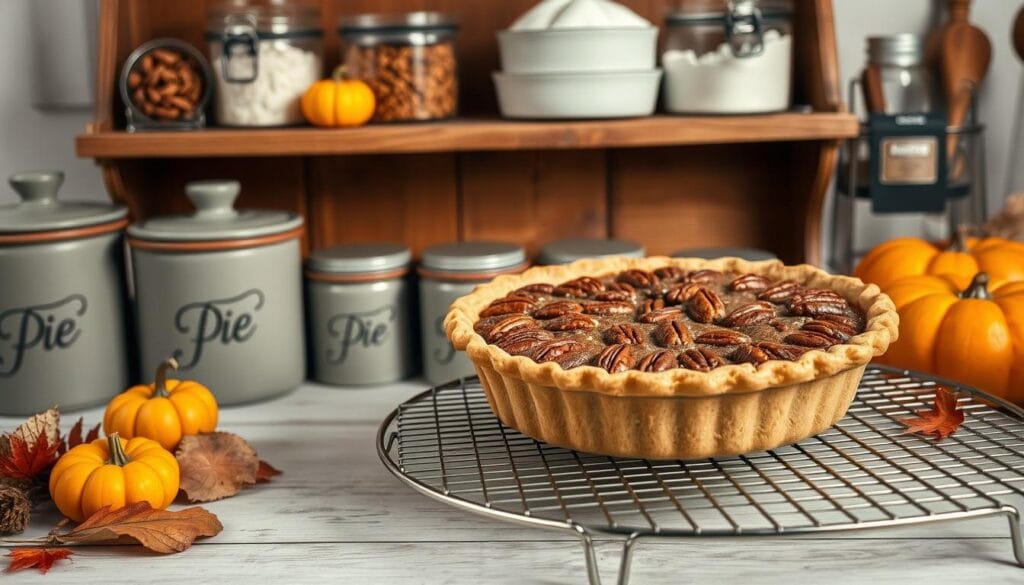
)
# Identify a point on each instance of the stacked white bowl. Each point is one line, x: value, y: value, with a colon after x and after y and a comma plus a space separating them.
x: 578, y: 59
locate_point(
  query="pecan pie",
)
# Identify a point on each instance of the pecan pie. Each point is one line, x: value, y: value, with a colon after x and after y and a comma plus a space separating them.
x: 671, y: 358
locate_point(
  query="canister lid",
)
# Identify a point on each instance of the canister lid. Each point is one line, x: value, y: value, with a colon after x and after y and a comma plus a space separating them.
x: 473, y: 256
x: 360, y: 258
x: 40, y: 210
x: 900, y: 50
x: 570, y: 250
x: 215, y: 218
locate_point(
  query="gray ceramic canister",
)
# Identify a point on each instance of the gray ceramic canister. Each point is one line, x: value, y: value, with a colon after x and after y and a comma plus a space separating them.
x: 359, y: 314
x: 571, y: 250
x: 220, y: 290
x: 447, y: 272
x: 63, y: 331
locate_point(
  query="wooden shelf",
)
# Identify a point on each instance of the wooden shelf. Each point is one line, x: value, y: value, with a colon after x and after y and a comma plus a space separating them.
x: 469, y: 135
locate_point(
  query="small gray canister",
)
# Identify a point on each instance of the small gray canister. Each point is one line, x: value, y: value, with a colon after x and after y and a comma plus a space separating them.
x: 447, y: 272
x: 359, y: 314
x: 220, y: 290
x: 570, y: 250
x: 63, y: 332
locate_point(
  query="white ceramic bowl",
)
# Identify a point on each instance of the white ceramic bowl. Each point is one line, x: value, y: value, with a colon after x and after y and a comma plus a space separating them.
x: 578, y: 95
x: 578, y: 50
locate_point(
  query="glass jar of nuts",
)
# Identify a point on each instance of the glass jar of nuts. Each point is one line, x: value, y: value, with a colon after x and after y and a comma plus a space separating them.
x: 407, y: 59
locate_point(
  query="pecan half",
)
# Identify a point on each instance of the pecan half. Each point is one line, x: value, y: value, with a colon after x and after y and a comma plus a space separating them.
x: 751, y: 314
x: 818, y: 308
x: 542, y: 288
x: 749, y: 282
x: 507, y: 306
x: 669, y: 272
x: 749, y: 354
x: 722, y: 337
x: 651, y: 305
x: 557, y: 309
x: 809, y: 339
x: 615, y: 295
x: 704, y: 276
x: 705, y: 306
x: 849, y: 324
x: 673, y: 333
x: 636, y: 277
x: 834, y: 331
x: 608, y: 308
x: 582, y: 287
x: 561, y: 351
x: 681, y: 293
x: 624, y: 333
x: 622, y: 286
x: 570, y: 322
x: 662, y: 314
x: 616, y: 358
x: 700, y: 359
x: 658, y: 361
x: 780, y: 351
x: 780, y: 292
x: 524, y: 341
x: 507, y: 325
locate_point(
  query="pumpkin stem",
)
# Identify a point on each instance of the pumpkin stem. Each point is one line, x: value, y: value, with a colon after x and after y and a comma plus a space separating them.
x: 160, y: 384
x: 339, y: 73
x: 959, y: 240
x: 117, y: 454
x: 978, y: 289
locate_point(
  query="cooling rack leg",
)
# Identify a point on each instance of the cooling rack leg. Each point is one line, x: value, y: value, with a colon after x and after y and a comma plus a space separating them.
x: 593, y: 571
x: 1016, y: 540
x: 627, y: 559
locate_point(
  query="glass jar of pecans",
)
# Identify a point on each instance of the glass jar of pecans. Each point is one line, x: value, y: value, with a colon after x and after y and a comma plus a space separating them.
x: 407, y: 59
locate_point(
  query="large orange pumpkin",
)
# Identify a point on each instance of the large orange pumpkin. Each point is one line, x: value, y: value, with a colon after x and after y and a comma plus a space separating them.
x: 970, y: 335
x: 1002, y: 260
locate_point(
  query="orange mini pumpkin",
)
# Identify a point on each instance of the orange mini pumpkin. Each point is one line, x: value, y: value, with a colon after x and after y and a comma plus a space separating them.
x: 969, y: 335
x: 113, y: 472
x: 338, y: 102
x: 1002, y: 260
x: 164, y: 411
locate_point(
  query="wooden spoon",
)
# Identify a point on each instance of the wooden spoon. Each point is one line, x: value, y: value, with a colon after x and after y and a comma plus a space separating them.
x: 871, y: 83
x: 966, y: 56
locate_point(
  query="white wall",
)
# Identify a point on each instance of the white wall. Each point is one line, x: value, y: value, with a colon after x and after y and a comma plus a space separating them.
x: 33, y: 139
x: 29, y: 137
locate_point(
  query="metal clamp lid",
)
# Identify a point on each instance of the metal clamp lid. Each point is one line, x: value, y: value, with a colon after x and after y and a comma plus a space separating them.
x: 240, y: 51
x: 744, y: 28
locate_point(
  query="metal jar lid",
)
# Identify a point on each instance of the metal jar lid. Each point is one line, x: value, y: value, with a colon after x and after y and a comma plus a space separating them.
x: 900, y: 50
x: 361, y: 259
x: 475, y: 256
x: 277, y: 21
x: 413, y: 28
x: 41, y: 211
x: 216, y: 219
x: 570, y: 250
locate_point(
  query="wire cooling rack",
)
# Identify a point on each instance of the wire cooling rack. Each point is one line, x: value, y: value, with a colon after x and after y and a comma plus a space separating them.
x: 862, y: 473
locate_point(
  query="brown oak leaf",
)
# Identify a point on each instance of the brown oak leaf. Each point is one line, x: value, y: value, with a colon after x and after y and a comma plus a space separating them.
x: 41, y: 558
x: 940, y: 421
x: 266, y: 471
x: 216, y: 465
x: 45, y: 423
x: 160, y: 531
x: 25, y: 460
x: 74, y: 437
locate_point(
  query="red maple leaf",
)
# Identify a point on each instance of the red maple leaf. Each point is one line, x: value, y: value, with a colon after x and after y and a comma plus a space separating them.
x: 26, y: 461
x: 37, y: 557
x: 266, y: 471
x: 941, y: 421
x: 75, y: 439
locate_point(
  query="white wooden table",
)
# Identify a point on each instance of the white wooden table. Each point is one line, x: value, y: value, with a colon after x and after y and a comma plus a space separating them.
x: 336, y: 515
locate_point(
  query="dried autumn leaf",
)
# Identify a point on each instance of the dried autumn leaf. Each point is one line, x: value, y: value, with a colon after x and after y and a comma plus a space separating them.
x: 941, y: 421
x: 215, y: 465
x: 160, y: 531
x: 266, y: 471
x: 45, y: 423
x: 75, y: 439
x: 36, y: 557
x: 27, y: 460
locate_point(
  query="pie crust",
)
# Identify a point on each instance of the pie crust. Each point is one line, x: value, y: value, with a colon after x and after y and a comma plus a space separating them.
x: 679, y: 413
